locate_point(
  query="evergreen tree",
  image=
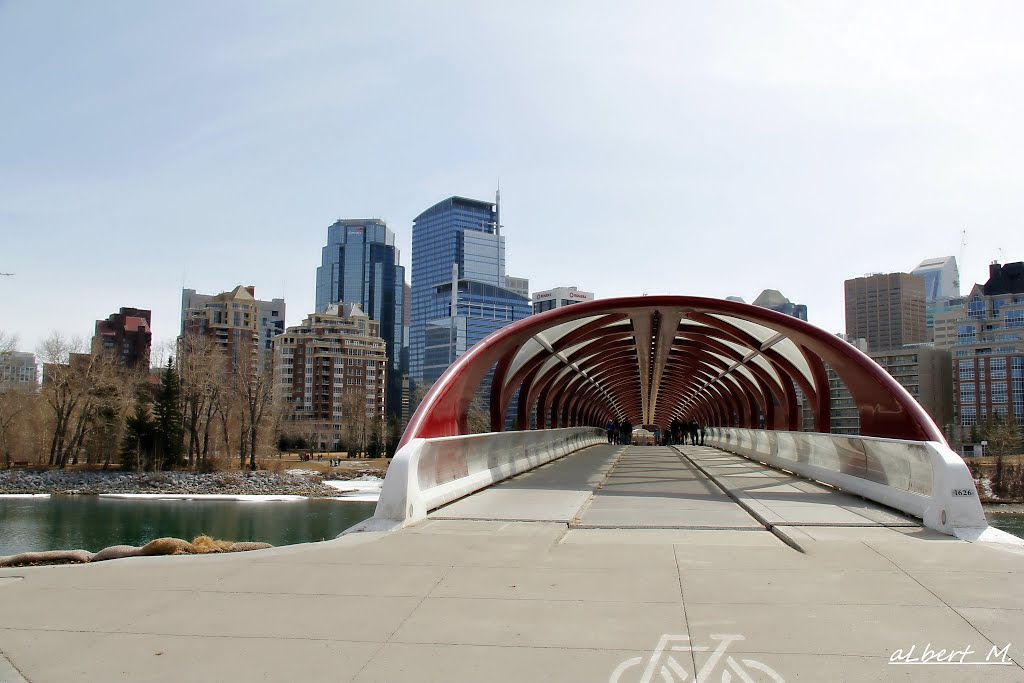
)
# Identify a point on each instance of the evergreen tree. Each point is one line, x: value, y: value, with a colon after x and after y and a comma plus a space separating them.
x: 167, y: 409
x: 139, y: 438
x: 394, y: 435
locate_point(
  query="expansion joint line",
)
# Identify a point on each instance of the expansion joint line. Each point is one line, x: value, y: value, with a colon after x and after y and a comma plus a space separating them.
x: 778, y: 533
x: 578, y: 517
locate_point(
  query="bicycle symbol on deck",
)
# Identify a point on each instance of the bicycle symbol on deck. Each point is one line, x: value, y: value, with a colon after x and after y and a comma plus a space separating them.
x: 662, y: 666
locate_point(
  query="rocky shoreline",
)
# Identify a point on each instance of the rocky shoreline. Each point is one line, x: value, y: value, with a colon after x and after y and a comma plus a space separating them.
x: 1003, y: 508
x: 289, y: 482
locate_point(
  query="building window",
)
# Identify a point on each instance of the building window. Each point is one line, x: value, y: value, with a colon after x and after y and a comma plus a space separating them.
x: 966, y: 334
x: 1014, y: 318
x: 967, y: 393
x: 976, y: 308
x: 997, y: 368
x: 968, y: 416
x: 998, y: 392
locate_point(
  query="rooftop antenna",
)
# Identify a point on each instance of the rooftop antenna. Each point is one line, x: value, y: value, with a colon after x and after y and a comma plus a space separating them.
x: 497, y: 230
x: 963, y: 246
x: 497, y: 210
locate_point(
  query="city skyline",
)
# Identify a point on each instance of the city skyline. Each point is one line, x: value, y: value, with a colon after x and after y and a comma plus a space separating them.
x: 837, y: 141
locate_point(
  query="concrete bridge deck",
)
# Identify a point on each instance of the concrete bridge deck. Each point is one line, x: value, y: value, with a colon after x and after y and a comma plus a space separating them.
x: 570, y: 572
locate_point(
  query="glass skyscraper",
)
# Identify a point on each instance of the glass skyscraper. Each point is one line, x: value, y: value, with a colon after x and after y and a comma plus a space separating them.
x: 941, y: 278
x: 360, y: 265
x: 466, y: 234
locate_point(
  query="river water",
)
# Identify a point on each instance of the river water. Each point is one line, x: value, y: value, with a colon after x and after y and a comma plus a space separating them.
x: 94, y: 522
x: 1010, y: 523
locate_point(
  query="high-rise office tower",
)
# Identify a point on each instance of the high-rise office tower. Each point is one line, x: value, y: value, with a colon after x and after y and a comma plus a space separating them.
x: 457, y: 245
x: 941, y: 278
x: 887, y: 310
x: 941, y: 292
x: 519, y: 285
x: 773, y: 299
x: 360, y: 265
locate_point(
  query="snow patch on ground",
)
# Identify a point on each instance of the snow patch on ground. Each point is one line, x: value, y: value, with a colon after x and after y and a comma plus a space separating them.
x: 986, y: 487
x: 24, y: 495
x: 301, y: 471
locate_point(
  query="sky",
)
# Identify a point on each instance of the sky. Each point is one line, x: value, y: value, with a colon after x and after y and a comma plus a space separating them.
x: 709, y: 149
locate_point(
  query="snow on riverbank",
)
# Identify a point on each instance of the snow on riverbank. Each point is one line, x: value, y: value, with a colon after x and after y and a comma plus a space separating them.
x: 364, y: 489
x: 241, y: 497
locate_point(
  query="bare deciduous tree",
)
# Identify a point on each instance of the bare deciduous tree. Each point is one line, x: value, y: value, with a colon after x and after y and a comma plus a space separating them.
x: 357, y: 421
x: 64, y: 388
x: 13, y: 402
x: 253, y: 389
x: 203, y: 369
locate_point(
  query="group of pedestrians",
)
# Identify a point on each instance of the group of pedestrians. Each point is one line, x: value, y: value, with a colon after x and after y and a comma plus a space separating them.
x: 680, y: 430
x: 678, y: 433
x: 619, y: 432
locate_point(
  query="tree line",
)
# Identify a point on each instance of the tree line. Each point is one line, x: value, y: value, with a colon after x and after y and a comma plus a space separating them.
x: 203, y: 411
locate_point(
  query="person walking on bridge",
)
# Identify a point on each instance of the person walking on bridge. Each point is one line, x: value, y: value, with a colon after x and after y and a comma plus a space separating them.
x: 610, y: 428
x: 625, y: 433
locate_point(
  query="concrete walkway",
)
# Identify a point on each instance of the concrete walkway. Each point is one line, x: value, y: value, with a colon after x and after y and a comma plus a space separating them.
x: 578, y: 599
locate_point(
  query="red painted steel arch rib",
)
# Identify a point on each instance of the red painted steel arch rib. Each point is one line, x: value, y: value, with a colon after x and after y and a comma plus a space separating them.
x: 595, y: 329
x: 539, y: 389
x: 683, y: 381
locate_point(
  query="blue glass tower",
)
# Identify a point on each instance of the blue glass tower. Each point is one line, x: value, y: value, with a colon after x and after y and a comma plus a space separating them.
x: 466, y: 234
x: 360, y: 264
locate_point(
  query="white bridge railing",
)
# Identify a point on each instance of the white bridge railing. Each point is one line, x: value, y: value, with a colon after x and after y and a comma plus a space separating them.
x: 428, y: 473
x: 924, y: 479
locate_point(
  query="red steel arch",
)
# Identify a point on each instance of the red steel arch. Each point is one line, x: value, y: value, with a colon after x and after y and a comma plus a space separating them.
x: 654, y: 359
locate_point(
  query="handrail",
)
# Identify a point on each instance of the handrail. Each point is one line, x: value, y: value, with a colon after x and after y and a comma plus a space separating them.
x: 428, y: 473
x: 924, y: 479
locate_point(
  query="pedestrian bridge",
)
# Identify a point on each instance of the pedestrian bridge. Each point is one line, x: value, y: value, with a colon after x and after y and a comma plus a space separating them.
x: 768, y: 554
x: 746, y: 373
